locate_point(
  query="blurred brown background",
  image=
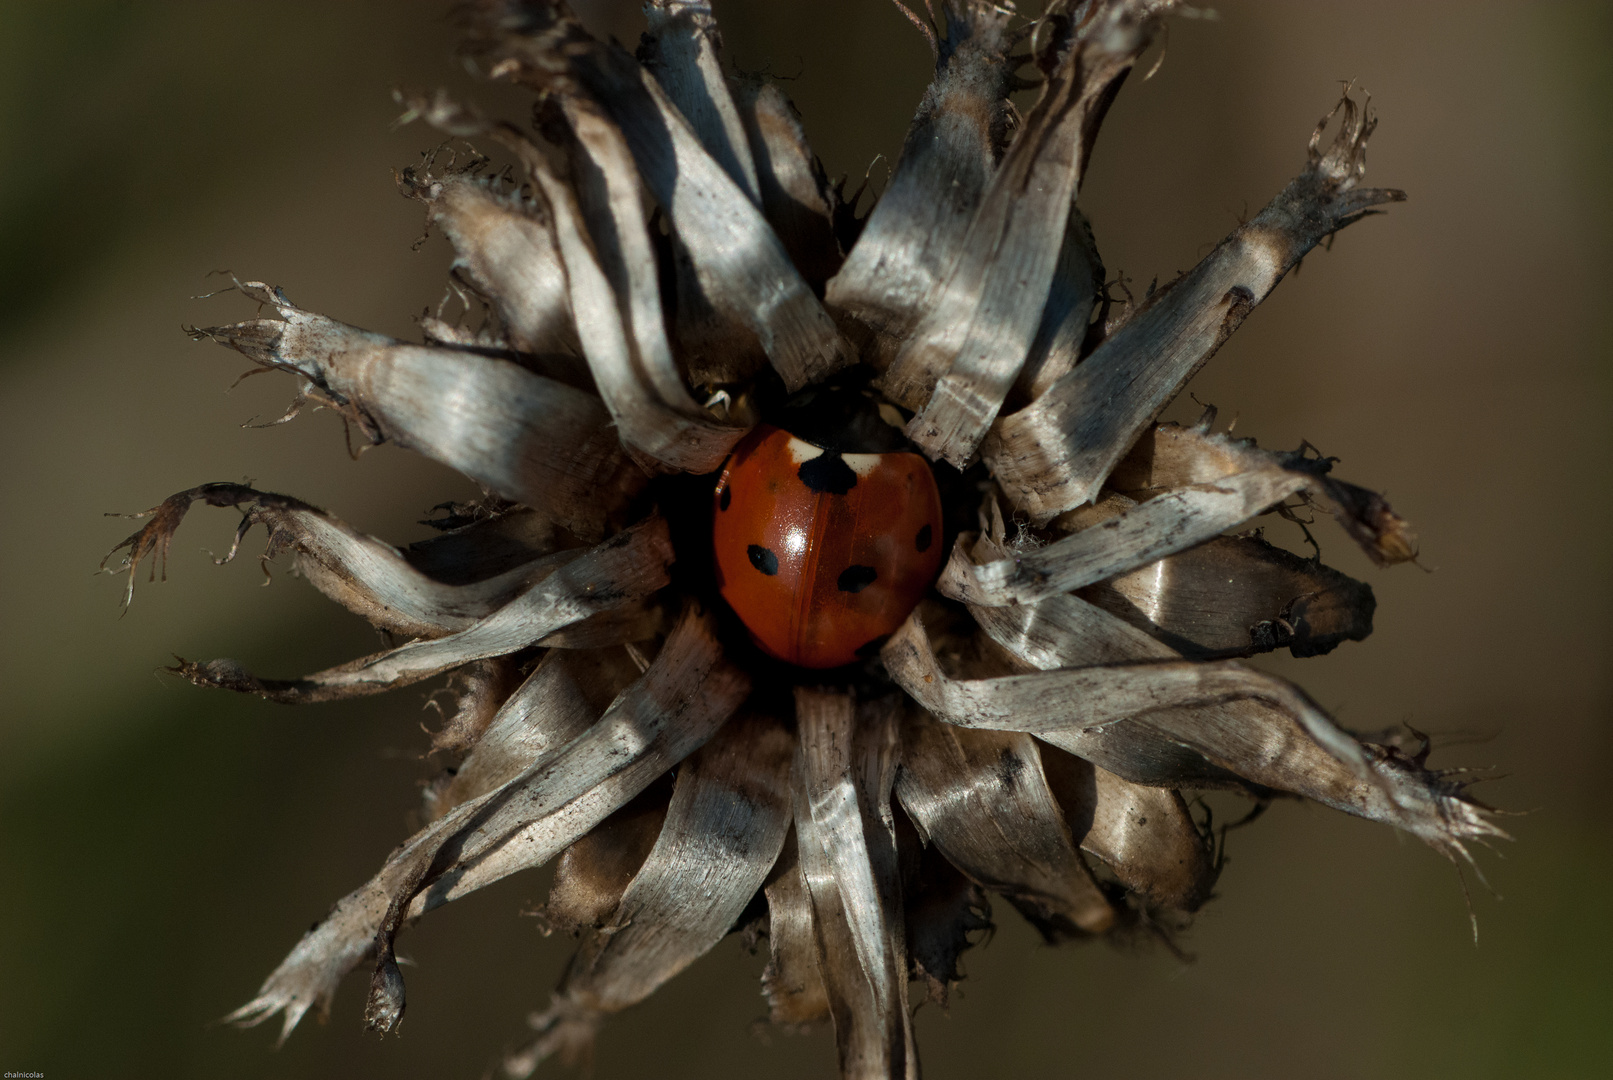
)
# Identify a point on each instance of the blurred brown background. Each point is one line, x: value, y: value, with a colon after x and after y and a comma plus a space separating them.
x: 162, y: 847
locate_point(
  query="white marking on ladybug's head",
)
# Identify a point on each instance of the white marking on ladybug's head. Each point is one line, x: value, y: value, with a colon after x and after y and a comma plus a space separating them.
x: 862, y: 464
x: 802, y: 451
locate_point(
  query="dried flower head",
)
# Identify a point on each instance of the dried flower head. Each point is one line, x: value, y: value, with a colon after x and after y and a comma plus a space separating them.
x: 663, y: 266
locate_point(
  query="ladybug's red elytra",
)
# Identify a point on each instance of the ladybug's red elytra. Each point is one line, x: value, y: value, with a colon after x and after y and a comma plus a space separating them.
x: 821, y: 553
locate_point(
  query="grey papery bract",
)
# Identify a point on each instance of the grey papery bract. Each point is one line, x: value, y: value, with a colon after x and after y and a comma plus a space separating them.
x: 662, y: 258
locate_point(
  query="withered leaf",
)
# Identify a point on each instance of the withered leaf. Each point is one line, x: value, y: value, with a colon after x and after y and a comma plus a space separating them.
x: 613, y: 575
x: 982, y: 799
x: 1136, y: 537
x: 1171, y: 455
x: 365, y: 575
x: 1145, y: 835
x: 1237, y: 596
x: 1054, y: 454
x: 962, y: 357
x: 531, y: 439
x: 723, y: 831
x: 743, y: 271
x: 566, y: 692
x: 505, y: 251
x: 686, y: 694
x: 793, y: 979
x: 1257, y: 738
x: 1079, y: 704
x: 797, y: 198
x: 915, y: 233
x: 847, y: 847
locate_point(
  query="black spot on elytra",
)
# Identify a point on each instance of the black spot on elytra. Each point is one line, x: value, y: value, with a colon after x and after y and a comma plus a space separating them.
x: 922, y: 540
x: 827, y: 473
x: 856, y: 578
x: 725, y: 498
x: 763, y: 559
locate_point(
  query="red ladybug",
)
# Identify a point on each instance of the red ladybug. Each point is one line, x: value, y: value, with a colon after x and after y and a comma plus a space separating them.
x: 823, y: 553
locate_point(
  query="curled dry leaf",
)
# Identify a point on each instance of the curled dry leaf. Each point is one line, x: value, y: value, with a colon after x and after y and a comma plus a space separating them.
x: 743, y: 271
x: 680, y: 53
x: 558, y: 797
x: 1237, y: 596
x: 1077, y: 705
x: 1171, y: 455
x: 684, y: 697
x: 967, y: 790
x: 946, y: 913
x: 609, y: 272
x: 916, y: 231
x: 847, y: 846
x: 1194, y: 486
x: 962, y: 358
x: 1245, y: 733
x: 619, y: 299
x: 1143, y: 834
x: 793, y: 981
x: 531, y: 439
x: 367, y: 576
x: 1054, y: 454
x: 567, y: 691
x: 614, y: 575
x: 797, y: 198
x: 505, y: 252
x: 1072, y: 297
x: 1141, y: 535
x: 724, y: 829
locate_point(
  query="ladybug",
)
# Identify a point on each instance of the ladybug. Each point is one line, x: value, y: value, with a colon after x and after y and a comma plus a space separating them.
x: 827, y: 534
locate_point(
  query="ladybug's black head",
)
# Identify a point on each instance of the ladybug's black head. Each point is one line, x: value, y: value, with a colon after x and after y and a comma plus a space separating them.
x: 844, y: 419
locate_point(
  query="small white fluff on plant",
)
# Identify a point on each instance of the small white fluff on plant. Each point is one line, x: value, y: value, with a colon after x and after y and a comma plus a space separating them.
x: 666, y: 274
